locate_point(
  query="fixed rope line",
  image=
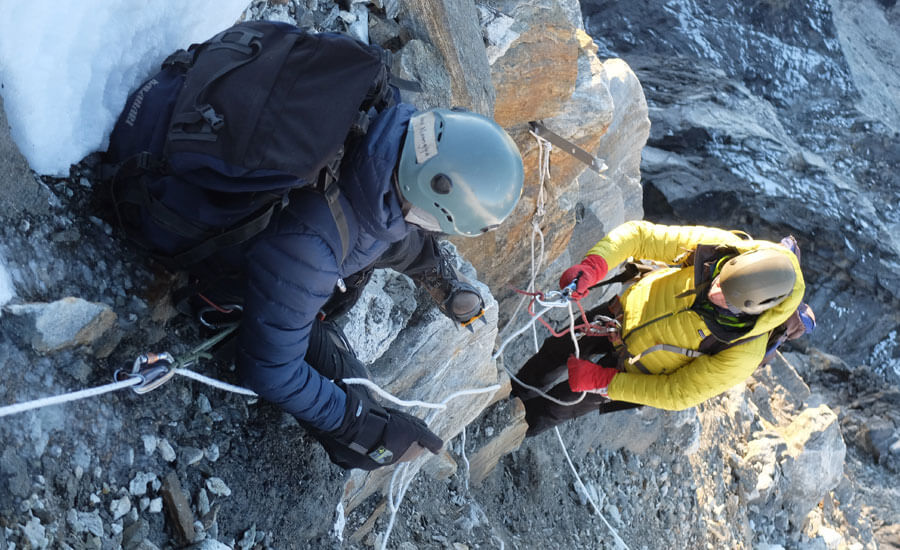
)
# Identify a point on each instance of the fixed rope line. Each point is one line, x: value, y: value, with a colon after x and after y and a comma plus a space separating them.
x: 66, y: 398
x: 544, y: 169
x: 402, y: 478
x: 216, y: 383
x: 584, y: 489
x: 544, y: 149
x: 141, y: 381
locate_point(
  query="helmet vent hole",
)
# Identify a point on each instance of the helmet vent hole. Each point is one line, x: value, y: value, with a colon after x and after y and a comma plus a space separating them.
x: 444, y: 210
x: 441, y: 184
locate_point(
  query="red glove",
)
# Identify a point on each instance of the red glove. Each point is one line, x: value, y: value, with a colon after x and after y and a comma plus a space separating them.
x: 589, y: 272
x: 587, y: 376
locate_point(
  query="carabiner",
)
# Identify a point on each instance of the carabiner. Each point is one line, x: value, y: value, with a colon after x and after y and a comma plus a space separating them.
x: 152, y: 369
x: 216, y: 317
x: 554, y: 298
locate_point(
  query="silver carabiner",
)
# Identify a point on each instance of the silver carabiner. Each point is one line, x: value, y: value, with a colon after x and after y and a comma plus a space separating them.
x: 554, y: 298
x: 153, y: 369
x: 206, y: 315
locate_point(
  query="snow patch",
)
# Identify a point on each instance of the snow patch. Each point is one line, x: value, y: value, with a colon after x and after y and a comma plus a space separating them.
x: 883, y: 355
x: 68, y: 66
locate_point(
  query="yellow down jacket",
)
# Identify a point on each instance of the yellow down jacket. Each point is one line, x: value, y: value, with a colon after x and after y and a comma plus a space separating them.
x: 657, y: 311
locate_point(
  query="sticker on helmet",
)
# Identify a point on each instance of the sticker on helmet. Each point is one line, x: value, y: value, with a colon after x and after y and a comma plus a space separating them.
x: 424, y: 139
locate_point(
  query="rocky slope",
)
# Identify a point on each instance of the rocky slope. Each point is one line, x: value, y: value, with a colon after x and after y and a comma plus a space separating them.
x: 779, y: 118
x: 803, y: 456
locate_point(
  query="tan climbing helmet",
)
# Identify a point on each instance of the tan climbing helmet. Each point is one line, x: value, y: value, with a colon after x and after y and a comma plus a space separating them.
x: 757, y: 280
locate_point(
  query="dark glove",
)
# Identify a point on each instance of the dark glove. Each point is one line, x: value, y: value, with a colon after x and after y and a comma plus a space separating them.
x: 371, y: 436
x: 589, y: 272
x: 587, y: 376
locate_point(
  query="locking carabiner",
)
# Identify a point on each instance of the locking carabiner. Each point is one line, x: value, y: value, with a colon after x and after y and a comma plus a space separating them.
x: 153, y: 369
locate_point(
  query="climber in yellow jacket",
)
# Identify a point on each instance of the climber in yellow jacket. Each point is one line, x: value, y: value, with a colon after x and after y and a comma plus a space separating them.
x: 689, y: 329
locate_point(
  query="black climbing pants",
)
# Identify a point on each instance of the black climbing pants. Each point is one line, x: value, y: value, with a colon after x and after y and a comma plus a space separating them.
x: 547, y: 371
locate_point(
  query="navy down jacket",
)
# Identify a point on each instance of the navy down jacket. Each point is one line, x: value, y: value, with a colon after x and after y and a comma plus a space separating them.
x: 293, y: 266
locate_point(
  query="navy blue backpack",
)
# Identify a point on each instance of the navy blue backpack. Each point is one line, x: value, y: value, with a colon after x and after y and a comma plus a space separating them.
x: 206, y: 151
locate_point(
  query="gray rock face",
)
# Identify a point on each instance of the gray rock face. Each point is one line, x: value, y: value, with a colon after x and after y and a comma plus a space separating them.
x: 452, y: 26
x: 61, y: 324
x: 872, y: 61
x: 746, y: 131
x: 383, y: 310
x: 430, y: 360
x: 815, y: 462
x: 796, y: 468
x: 766, y: 118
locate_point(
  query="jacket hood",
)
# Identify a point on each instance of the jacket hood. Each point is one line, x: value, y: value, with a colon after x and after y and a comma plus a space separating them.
x: 367, y: 175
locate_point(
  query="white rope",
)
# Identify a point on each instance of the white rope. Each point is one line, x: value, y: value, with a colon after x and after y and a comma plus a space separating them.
x: 74, y: 396
x: 215, y: 383
x: 402, y: 470
x: 512, y: 375
x: 572, y: 330
x: 402, y: 402
x: 544, y: 168
x: 518, y: 332
x: 544, y: 148
x: 586, y: 494
x: 462, y: 453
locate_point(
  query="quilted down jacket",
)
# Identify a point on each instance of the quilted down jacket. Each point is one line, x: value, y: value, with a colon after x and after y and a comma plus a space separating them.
x: 658, y: 317
x: 293, y: 266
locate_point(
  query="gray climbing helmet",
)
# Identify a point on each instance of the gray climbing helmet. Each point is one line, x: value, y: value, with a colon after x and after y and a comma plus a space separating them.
x: 757, y: 280
x: 460, y: 168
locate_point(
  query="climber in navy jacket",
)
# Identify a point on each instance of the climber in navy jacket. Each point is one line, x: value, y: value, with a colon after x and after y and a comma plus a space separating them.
x: 276, y: 167
x: 415, y: 174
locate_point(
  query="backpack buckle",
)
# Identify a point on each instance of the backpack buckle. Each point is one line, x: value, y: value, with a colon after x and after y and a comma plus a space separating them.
x: 209, y: 114
x: 181, y: 59
x: 361, y: 125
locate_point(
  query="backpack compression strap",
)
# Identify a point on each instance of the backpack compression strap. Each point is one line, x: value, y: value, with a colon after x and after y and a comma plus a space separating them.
x: 327, y: 186
x: 235, y: 236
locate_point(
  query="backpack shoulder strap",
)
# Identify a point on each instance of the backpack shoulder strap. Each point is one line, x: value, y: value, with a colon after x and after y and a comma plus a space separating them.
x: 234, y: 236
x: 328, y: 187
